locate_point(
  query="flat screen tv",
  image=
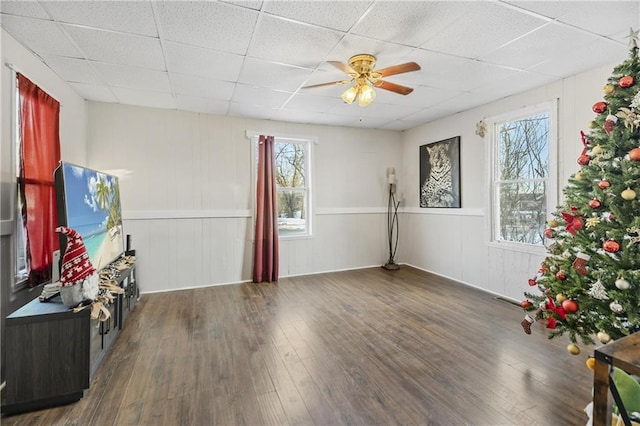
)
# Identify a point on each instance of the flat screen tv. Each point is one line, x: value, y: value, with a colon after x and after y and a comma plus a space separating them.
x: 89, y: 202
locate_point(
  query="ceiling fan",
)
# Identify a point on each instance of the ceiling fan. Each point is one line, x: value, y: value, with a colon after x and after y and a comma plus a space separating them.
x: 361, y: 70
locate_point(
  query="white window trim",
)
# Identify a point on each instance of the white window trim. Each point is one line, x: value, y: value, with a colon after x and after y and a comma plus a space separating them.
x: 552, y: 191
x: 311, y: 141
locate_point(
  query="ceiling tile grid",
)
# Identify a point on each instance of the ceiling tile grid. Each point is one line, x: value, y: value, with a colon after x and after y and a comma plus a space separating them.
x: 254, y: 58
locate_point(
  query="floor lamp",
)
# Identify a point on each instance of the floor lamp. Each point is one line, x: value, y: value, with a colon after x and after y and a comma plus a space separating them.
x: 392, y: 220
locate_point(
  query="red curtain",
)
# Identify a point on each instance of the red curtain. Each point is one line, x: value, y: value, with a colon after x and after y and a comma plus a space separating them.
x: 40, y: 155
x: 265, y: 259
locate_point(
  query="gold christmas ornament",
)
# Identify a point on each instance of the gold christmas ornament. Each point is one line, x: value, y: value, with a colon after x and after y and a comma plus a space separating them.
x: 578, y: 175
x: 573, y: 349
x: 603, y: 337
x: 608, y: 89
x: 628, y: 194
x: 597, y: 150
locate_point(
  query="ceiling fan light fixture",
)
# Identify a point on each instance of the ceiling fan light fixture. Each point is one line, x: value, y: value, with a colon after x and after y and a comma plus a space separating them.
x: 367, y: 95
x: 350, y: 94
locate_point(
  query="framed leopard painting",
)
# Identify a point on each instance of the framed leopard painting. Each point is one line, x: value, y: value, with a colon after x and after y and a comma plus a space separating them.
x: 440, y: 174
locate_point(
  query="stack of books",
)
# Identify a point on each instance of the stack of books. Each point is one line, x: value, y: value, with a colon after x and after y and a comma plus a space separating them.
x: 49, y: 291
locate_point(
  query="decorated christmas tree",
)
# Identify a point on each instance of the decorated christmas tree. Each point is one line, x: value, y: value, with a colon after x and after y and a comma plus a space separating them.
x: 589, y: 283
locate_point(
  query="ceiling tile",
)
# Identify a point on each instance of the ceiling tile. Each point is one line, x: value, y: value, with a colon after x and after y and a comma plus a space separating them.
x: 428, y: 114
x: 338, y: 15
x: 409, y: 22
x: 422, y: 96
x: 257, y: 5
x: 505, y: 24
x: 306, y: 46
x: 257, y: 72
x: 203, y: 62
x: 538, y: 45
x: 74, y: 70
x: 293, y: 116
x: 565, y: 65
x: 253, y: 111
x: 216, y: 26
x: 118, y: 48
x: 601, y: 17
x: 135, y: 17
x: 467, y: 76
x: 93, y: 92
x: 144, y: 98
x: 260, y: 96
x: 204, y: 105
x: 334, y: 119
x: 201, y: 87
x: 516, y: 83
x: 133, y: 78
x: 42, y: 37
x: 24, y: 8
x: 314, y: 103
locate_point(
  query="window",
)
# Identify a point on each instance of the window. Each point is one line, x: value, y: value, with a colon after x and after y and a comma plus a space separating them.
x: 523, y: 174
x: 293, y: 181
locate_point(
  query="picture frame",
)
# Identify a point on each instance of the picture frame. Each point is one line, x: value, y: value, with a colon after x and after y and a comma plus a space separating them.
x: 440, y: 174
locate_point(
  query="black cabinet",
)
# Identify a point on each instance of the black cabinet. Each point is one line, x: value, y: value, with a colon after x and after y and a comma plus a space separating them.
x: 53, y: 353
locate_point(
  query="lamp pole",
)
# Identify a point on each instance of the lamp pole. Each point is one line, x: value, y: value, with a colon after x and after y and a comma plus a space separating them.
x: 392, y: 222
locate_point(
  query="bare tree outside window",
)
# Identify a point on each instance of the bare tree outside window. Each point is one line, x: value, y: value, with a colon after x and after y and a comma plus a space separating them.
x: 291, y: 179
x: 521, y: 179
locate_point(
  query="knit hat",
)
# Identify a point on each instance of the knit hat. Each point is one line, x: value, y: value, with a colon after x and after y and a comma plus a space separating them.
x: 76, y: 265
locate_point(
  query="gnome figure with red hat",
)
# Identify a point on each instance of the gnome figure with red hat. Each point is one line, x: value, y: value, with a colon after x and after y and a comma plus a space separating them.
x: 78, y: 278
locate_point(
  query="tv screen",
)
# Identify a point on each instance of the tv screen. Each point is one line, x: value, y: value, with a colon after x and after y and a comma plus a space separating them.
x: 89, y: 202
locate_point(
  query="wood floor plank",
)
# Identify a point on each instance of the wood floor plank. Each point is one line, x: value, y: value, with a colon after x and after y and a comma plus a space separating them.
x: 362, y: 347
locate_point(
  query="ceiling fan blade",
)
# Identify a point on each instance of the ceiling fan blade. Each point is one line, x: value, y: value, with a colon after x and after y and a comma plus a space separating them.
x: 343, y: 67
x: 387, y: 85
x: 331, y: 83
x: 398, y: 69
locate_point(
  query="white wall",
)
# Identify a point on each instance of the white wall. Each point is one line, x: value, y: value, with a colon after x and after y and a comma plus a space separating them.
x: 453, y: 242
x: 188, y: 197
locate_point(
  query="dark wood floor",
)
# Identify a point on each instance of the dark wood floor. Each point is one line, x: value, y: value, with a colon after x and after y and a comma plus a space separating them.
x: 360, y: 347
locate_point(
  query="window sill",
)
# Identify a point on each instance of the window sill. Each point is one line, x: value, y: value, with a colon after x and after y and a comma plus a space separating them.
x: 519, y: 247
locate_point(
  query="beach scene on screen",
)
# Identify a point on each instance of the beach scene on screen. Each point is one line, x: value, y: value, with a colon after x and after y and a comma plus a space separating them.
x: 93, y: 209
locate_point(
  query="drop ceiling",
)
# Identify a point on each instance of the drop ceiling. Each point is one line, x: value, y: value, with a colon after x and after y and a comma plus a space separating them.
x: 253, y: 58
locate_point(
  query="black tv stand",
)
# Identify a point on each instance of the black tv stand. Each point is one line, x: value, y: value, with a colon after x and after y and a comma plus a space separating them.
x: 52, y: 353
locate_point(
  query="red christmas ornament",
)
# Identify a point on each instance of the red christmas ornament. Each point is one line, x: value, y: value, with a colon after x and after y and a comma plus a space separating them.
x: 532, y: 282
x: 604, y: 184
x: 599, y: 107
x: 548, y: 233
x: 626, y: 81
x: 611, y: 216
x: 610, y: 123
x: 611, y: 246
x: 570, y: 306
x: 583, y: 160
x: 561, y: 276
x: 526, y: 304
x: 594, y: 204
x: 634, y: 154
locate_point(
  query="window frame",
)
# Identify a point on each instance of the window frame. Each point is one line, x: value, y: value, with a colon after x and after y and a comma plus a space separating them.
x: 307, y: 142
x: 551, y: 182
x: 20, y: 276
